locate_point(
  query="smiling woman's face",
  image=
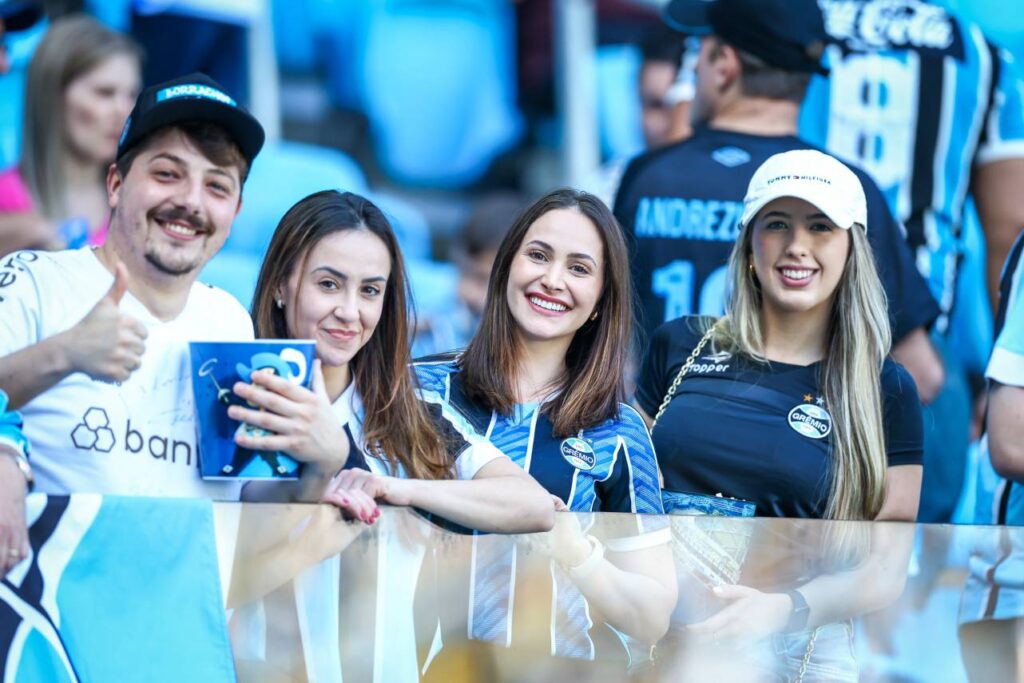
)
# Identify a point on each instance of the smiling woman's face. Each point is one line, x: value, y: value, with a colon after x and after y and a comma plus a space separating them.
x: 338, y: 297
x: 799, y: 255
x: 556, y: 276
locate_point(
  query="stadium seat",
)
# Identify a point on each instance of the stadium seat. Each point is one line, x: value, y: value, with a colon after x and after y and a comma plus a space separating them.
x: 284, y: 173
x: 294, y: 36
x: 410, y: 224
x: 234, y: 272
x: 434, y: 286
x: 342, y: 29
x: 439, y: 88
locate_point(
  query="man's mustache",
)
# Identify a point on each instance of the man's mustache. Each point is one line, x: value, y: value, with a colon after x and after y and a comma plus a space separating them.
x: 179, y: 216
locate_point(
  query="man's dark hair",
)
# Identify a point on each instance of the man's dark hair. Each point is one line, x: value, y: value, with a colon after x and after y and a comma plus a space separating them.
x: 760, y: 79
x: 662, y: 44
x: 212, y: 141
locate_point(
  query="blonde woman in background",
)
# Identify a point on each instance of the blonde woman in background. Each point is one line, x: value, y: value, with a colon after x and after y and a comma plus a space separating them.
x: 82, y: 83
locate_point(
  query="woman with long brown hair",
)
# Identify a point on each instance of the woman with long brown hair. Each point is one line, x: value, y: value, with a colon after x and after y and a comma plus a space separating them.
x: 334, y: 273
x: 543, y: 380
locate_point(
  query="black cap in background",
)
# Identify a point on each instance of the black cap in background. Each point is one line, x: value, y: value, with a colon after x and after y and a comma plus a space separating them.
x: 782, y: 33
x: 19, y: 15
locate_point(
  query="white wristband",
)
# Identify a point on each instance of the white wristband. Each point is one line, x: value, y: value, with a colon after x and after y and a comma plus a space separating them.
x: 587, y: 566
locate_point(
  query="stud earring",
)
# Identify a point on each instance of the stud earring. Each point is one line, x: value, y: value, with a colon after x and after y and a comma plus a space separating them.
x: 280, y: 303
x: 593, y: 317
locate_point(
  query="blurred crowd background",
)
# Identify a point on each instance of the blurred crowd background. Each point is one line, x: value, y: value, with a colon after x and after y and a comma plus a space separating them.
x: 450, y: 114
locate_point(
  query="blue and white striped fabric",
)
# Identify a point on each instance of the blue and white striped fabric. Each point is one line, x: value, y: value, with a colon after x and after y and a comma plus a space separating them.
x: 115, y: 589
x: 995, y: 584
x: 917, y: 97
x: 10, y: 428
x: 1001, y: 501
x: 623, y: 477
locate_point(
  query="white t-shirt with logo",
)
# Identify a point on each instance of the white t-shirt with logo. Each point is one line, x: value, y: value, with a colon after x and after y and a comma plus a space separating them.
x: 136, y: 438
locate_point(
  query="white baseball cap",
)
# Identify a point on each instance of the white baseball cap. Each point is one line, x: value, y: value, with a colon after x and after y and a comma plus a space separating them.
x: 814, y: 177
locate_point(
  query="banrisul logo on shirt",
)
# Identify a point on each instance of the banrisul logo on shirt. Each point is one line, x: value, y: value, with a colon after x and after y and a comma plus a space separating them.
x: 810, y: 420
x: 578, y: 453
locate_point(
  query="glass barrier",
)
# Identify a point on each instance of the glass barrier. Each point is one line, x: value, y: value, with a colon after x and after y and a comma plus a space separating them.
x: 120, y: 589
x: 606, y: 596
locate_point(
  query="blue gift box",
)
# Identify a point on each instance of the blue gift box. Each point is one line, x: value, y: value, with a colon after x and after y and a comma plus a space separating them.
x: 216, y: 367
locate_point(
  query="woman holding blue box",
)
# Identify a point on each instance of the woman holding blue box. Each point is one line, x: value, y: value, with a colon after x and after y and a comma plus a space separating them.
x: 334, y: 273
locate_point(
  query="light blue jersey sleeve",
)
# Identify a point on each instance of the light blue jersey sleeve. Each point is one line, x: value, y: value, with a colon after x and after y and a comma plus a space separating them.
x: 1006, y: 365
x: 10, y: 428
x: 634, y: 485
x: 1004, y: 129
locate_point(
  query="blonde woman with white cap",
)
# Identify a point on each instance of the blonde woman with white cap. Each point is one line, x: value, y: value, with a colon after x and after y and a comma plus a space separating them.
x: 788, y: 406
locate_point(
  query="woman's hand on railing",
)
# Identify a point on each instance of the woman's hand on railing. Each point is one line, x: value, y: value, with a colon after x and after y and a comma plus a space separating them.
x: 356, y: 492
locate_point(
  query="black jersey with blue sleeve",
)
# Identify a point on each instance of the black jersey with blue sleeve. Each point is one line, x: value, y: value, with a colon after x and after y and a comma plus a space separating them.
x: 754, y: 431
x: 681, y: 207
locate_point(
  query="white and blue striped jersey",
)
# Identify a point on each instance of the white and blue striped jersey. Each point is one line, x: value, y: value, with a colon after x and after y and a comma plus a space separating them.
x: 917, y: 97
x: 1006, y: 366
x: 995, y: 583
x: 617, y: 473
x: 468, y: 451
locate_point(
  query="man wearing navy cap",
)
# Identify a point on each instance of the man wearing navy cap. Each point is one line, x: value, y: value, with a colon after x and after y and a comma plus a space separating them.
x: 93, y: 343
x: 682, y: 203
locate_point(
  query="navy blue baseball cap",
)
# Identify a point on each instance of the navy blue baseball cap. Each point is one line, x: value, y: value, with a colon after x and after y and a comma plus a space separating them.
x: 19, y: 15
x: 780, y: 32
x: 195, y: 97
x: 688, y: 16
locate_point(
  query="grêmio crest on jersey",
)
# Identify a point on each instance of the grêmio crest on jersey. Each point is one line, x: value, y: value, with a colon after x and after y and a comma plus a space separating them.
x: 865, y: 25
x: 810, y: 418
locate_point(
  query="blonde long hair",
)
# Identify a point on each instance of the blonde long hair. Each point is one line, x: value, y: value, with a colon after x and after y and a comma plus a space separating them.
x: 857, y: 344
x: 73, y: 45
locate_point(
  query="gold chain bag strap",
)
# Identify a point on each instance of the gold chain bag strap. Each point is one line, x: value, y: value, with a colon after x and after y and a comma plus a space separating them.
x: 711, y: 550
x: 679, y: 376
x: 807, y: 657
